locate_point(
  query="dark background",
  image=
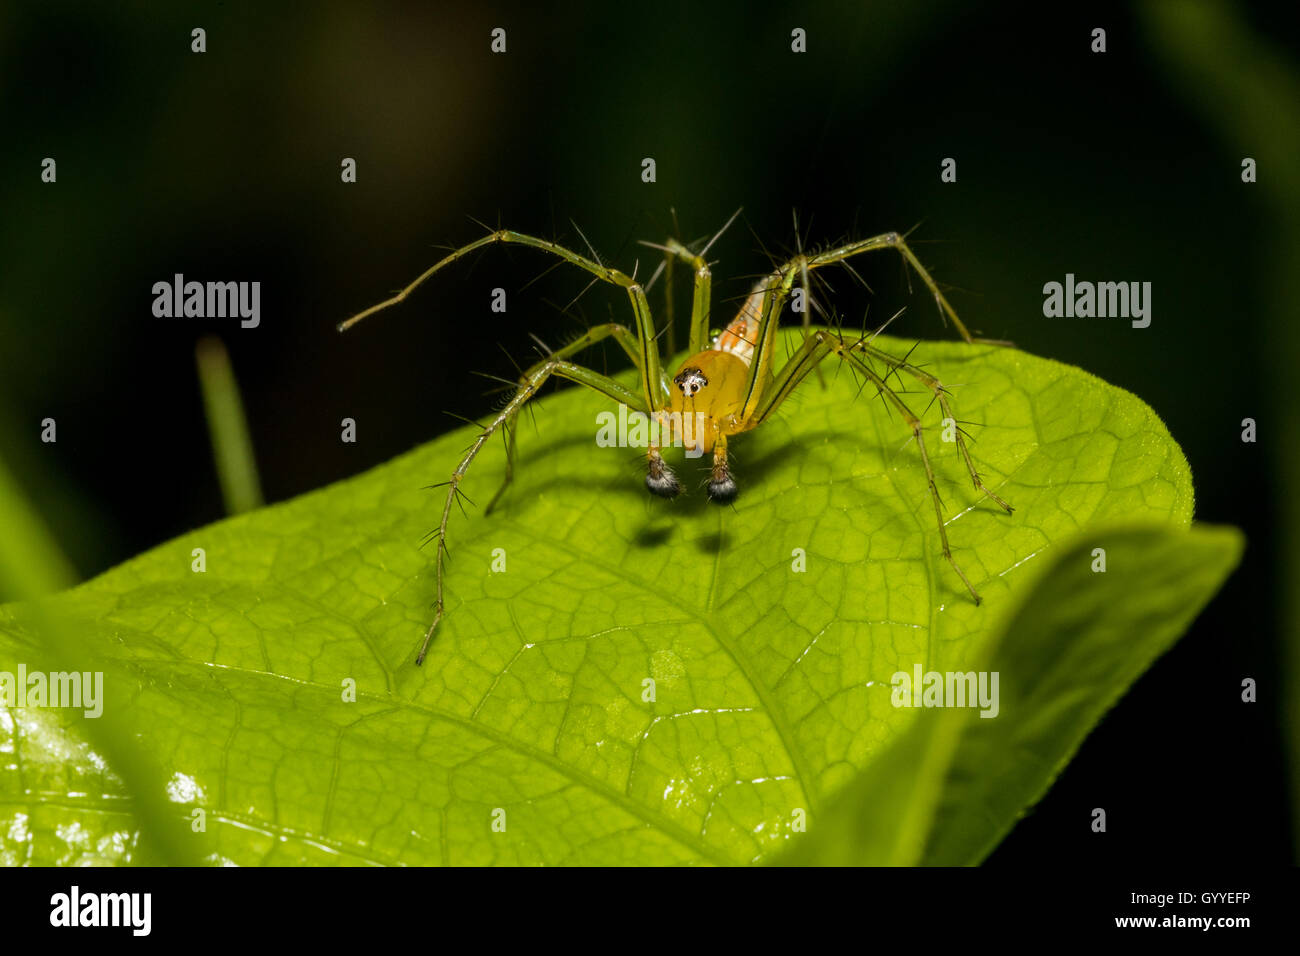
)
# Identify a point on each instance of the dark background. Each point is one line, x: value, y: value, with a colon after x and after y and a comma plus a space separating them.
x: 225, y: 166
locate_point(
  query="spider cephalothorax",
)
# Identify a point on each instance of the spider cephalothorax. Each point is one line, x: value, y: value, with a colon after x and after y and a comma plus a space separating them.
x: 726, y: 386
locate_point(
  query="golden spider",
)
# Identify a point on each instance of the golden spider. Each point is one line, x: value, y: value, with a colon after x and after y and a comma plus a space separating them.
x: 728, y: 385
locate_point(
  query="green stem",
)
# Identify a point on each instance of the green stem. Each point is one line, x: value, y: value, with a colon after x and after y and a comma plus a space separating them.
x: 232, y: 448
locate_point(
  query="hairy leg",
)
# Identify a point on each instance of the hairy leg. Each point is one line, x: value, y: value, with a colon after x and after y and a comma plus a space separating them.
x: 533, y: 381
x: 621, y: 334
x: 654, y: 385
x: 822, y: 344
x: 701, y: 305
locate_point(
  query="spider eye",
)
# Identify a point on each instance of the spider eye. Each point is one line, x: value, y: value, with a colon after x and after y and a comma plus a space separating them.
x: 690, y: 381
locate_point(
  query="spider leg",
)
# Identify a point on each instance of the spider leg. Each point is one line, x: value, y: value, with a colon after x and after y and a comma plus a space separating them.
x: 722, y: 487
x: 892, y: 240
x: 533, y: 380
x: 803, y: 264
x: 701, y: 301
x: 654, y: 384
x: 941, y: 395
x: 621, y: 334
x: 511, y: 431
x: 809, y: 356
x: 806, y: 285
x: 775, y: 289
x: 764, y: 305
x: 817, y: 347
x: 670, y: 316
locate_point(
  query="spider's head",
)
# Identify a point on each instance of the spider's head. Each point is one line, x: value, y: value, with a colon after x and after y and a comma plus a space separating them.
x: 690, y: 381
x: 707, y: 397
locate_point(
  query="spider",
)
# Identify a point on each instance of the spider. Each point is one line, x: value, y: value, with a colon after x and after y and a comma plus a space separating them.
x: 728, y: 385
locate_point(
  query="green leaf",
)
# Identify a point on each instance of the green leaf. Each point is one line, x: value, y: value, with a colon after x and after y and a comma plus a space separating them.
x: 39, y: 768
x: 950, y: 787
x: 771, y: 686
